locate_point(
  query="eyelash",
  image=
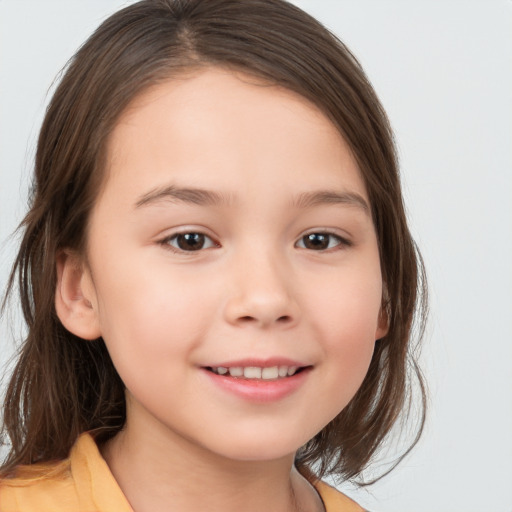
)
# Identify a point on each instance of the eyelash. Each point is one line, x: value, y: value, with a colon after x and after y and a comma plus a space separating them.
x: 340, y: 242
x: 166, y: 242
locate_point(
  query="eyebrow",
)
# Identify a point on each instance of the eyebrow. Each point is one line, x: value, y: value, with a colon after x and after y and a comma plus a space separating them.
x: 205, y: 197
x: 197, y: 196
x: 310, y: 199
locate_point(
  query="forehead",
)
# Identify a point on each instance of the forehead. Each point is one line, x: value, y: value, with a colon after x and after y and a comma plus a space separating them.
x: 214, y: 124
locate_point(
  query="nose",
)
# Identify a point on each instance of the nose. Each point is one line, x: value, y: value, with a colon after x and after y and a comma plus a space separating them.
x: 261, y: 293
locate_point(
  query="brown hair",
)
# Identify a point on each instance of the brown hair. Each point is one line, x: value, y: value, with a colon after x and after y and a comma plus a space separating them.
x: 63, y: 386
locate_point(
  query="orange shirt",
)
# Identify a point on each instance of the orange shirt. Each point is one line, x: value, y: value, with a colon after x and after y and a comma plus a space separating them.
x: 84, y: 483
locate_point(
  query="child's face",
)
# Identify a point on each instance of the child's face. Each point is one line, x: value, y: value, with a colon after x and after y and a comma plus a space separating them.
x: 280, y: 267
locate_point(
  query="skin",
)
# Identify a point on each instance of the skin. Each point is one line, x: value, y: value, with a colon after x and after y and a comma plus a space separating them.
x: 255, y: 290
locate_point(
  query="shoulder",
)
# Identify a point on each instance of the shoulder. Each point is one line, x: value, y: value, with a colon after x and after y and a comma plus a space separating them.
x: 82, y: 482
x: 334, y: 500
x: 40, y: 487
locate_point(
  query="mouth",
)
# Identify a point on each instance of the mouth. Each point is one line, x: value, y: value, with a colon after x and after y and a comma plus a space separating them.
x: 259, y: 381
x: 256, y: 372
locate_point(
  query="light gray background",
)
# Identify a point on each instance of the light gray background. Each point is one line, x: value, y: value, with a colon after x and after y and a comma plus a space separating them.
x: 443, y: 71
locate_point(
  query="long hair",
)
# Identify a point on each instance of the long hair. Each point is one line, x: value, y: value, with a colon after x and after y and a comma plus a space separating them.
x: 62, y: 385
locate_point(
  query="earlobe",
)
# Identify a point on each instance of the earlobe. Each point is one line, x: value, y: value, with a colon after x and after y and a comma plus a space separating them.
x: 383, y: 324
x: 75, y: 301
x: 383, y: 320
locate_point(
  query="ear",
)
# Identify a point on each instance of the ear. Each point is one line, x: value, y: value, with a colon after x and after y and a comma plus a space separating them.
x: 383, y: 324
x: 75, y: 296
x: 383, y: 320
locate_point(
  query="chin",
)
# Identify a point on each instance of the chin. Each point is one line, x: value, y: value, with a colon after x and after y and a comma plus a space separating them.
x: 260, y: 449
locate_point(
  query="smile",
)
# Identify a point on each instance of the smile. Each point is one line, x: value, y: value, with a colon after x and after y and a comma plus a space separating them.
x: 256, y: 372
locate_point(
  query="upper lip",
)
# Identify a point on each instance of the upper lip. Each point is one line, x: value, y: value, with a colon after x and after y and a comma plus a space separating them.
x: 258, y: 363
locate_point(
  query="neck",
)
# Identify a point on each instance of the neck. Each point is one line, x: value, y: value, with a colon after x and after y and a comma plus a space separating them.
x: 164, y: 468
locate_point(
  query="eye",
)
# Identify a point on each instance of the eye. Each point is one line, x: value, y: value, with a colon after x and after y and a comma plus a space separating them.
x: 189, y: 242
x: 321, y: 241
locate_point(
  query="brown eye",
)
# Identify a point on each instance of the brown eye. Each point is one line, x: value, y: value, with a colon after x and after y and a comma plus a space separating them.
x: 319, y: 241
x: 189, y: 242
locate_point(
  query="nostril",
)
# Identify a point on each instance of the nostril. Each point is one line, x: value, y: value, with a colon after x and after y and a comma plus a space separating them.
x: 248, y: 319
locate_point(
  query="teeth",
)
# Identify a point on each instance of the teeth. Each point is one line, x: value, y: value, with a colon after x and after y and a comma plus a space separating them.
x: 292, y: 370
x: 283, y: 371
x: 237, y: 371
x: 270, y: 373
x: 255, y: 372
x: 252, y: 372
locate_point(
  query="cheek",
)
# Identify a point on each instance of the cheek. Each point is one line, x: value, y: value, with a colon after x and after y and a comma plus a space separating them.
x: 351, y: 304
x: 147, y: 312
x: 348, y: 319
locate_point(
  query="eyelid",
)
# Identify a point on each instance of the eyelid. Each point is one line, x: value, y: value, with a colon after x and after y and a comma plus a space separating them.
x: 344, y: 241
x: 165, y: 241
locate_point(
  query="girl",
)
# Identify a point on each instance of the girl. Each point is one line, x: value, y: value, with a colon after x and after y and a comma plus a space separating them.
x: 216, y: 270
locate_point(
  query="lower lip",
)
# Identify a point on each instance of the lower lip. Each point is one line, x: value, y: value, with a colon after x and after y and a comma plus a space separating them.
x: 260, y: 391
